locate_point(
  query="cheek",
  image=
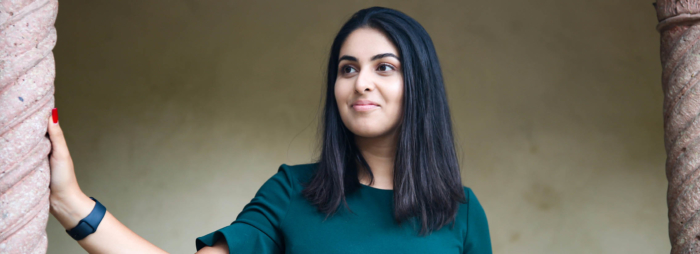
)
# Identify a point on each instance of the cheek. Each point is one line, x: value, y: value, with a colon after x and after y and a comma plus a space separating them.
x: 396, y: 112
x: 394, y: 96
x: 343, y: 90
x: 340, y: 93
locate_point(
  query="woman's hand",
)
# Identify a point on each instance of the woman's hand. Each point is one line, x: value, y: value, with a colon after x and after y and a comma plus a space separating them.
x: 63, y: 181
x: 68, y: 203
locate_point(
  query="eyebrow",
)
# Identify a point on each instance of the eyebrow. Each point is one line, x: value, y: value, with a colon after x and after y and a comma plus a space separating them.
x: 378, y: 56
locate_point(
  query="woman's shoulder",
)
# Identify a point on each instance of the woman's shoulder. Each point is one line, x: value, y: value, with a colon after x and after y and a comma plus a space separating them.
x: 468, y: 194
x: 473, y: 217
x: 471, y: 211
x: 477, y: 239
x: 297, y: 174
x: 472, y: 203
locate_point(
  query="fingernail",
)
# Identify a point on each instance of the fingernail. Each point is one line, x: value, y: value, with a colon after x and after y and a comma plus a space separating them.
x: 54, y: 115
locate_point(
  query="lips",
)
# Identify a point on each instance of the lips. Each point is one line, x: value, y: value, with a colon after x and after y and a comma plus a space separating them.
x: 365, y: 102
x: 364, y: 105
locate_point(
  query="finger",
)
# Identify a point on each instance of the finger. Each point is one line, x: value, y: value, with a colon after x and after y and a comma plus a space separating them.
x: 58, y: 142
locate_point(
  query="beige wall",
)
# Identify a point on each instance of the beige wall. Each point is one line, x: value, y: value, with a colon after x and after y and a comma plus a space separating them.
x: 176, y: 112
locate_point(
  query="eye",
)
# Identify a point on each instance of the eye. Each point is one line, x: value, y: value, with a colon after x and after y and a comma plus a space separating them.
x: 347, y: 69
x: 386, y: 67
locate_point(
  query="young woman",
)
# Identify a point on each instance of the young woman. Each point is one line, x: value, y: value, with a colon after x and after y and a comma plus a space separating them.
x: 387, y: 180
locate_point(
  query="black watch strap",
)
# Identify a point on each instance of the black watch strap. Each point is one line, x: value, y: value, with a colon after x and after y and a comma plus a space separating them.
x: 88, y: 225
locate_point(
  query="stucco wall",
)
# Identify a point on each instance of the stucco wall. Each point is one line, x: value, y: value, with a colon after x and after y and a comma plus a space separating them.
x: 176, y: 112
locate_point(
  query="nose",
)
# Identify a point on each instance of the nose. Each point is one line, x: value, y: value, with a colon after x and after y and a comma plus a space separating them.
x: 364, y: 82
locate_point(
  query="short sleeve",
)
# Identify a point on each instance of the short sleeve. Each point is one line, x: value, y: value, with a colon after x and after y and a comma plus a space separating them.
x: 256, y: 228
x: 478, y: 240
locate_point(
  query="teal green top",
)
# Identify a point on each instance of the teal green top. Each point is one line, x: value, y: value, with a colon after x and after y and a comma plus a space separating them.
x: 280, y: 220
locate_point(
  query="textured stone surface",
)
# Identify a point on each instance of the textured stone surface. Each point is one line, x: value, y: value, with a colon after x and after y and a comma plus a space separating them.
x: 680, y: 59
x: 27, y: 71
x: 671, y: 8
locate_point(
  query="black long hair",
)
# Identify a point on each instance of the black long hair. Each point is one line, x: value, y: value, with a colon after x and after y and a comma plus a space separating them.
x: 427, y: 182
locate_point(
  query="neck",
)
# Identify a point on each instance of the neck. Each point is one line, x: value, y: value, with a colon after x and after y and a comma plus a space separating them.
x: 379, y: 152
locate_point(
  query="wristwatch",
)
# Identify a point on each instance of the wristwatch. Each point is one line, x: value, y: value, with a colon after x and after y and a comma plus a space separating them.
x: 88, y: 225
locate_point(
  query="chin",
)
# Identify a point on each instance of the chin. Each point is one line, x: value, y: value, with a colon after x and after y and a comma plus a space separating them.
x: 368, y: 131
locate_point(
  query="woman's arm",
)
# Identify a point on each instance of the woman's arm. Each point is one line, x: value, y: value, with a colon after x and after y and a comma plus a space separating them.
x: 111, y: 235
x: 69, y: 205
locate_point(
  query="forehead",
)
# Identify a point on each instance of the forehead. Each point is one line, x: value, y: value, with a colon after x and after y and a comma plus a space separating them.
x: 364, y: 43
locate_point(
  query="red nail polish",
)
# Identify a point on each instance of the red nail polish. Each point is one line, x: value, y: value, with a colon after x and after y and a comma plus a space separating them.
x: 54, y: 115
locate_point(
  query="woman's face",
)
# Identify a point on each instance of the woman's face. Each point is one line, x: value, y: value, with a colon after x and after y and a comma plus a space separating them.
x: 369, y: 86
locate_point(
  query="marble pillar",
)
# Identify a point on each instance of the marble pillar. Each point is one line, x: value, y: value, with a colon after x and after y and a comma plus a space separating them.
x: 679, y: 25
x: 27, y: 71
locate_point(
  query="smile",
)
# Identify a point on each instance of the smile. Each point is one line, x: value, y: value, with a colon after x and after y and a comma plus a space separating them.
x: 365, y: 107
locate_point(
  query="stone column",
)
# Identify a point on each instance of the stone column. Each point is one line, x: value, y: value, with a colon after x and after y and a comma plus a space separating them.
x: 27, y: 71
x: 679, y: 25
